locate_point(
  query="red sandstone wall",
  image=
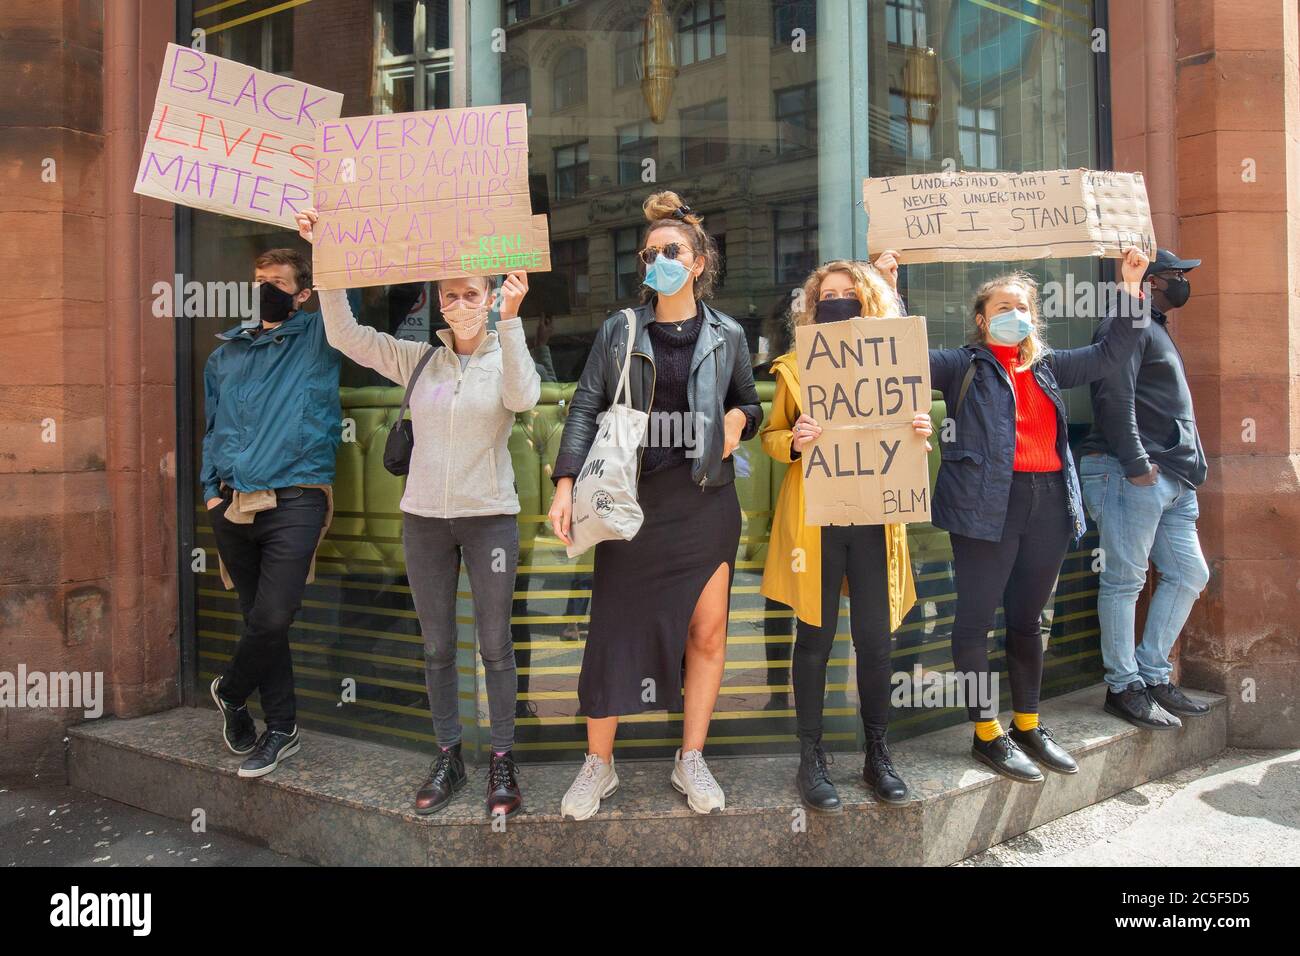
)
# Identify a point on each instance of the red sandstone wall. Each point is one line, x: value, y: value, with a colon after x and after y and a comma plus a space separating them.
x: 87, y: 521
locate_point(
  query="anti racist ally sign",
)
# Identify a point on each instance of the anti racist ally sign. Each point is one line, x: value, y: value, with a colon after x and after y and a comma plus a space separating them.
x: 973, y: 217
x: 430, y: 195
x: 863, y: 381
x: 231, y: 139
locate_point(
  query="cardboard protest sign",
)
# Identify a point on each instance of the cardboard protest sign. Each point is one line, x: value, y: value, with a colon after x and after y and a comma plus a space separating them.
x: 231, y: 139
x: 975, y: 217
x: 429, y: 195
x: 863, y: 381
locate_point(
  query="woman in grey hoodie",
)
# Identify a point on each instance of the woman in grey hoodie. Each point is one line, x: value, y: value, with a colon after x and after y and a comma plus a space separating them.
x: 460, y: 500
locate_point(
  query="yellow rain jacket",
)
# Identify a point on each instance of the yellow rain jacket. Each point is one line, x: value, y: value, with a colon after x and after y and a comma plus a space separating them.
x: 802, y: 590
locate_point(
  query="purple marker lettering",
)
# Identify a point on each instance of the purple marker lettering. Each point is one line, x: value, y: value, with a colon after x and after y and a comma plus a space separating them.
x: 196, y: 71
x: 266, y: 101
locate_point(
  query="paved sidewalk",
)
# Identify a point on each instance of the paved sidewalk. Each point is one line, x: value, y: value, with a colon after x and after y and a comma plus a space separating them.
x: 1240, y: 809
x: 64, y: 826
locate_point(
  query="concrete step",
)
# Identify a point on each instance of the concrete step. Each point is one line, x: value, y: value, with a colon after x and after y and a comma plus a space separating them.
x: 341, y: 801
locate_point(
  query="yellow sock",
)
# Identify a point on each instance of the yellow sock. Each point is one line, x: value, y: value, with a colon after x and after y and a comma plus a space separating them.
x: 1024, y: 721
x: 987, y: 730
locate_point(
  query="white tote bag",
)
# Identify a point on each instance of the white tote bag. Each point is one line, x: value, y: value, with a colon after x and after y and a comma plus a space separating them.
x: 604, y: 493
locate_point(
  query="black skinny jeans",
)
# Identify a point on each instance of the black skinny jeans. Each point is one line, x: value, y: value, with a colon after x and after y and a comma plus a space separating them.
x: 858, y: 552
x: 268, y: 562
x: 1019, y: 573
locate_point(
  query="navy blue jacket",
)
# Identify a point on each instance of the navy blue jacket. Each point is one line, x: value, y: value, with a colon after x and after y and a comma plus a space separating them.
x: 272, y: 408
x: 974, y: 484
x: 1142, y: 410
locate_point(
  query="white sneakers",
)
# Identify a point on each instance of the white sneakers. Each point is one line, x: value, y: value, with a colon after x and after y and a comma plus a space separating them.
x: 691, y: 776
x: 597, y: 780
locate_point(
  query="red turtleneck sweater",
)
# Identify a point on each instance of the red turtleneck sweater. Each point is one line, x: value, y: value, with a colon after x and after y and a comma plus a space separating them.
x: 1035, y: 415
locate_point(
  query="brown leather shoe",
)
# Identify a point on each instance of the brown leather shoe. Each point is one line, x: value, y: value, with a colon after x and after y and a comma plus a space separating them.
x: 503, y: 794
x: 446, y: 776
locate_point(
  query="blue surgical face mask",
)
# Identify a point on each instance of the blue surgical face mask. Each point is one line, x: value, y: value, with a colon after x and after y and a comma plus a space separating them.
x: 666, y: 276
x: 1010, y: 328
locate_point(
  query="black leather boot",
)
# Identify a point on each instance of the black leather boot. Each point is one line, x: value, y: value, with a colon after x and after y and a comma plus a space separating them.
x: 879, y: 774
x: 814, y: 780
x: 1137, y: 705
x: 1175, y: 701
x: 446, y: 776
x: 1004, y: 755
x: 503, y: 794
x: 1044, y: 750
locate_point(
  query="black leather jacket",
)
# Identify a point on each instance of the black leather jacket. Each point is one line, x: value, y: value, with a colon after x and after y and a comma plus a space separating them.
x: 721, y: 379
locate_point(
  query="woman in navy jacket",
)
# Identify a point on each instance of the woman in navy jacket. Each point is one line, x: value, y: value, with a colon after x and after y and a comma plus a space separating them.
x: 1008, y: 495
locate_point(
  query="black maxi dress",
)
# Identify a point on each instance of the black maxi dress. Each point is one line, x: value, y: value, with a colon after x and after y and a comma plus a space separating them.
x: 644, y: 591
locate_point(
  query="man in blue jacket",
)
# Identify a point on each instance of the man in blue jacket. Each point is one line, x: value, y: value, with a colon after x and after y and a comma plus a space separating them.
x: 1140, y: 468
x: 271, y: 397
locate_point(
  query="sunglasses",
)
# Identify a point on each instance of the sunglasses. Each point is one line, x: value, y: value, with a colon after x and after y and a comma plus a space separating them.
x: 672, y: 250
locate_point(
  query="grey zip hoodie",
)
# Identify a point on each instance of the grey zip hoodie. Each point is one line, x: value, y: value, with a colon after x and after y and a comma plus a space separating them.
x: 461, y: 418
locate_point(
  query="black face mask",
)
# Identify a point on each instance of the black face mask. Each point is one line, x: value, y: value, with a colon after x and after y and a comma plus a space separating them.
x: 837, y: 310
x: 1177, y: 291
x: 274, y: 304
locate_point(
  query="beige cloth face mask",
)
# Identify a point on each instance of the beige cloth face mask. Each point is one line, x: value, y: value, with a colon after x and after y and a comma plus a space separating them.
x: 465, y: 321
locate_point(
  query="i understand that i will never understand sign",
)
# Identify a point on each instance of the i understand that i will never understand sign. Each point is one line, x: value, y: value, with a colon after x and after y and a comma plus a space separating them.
x: 863, y: 381
x: 430, y: 195
x: 231, y: 139
x: 994, y: 216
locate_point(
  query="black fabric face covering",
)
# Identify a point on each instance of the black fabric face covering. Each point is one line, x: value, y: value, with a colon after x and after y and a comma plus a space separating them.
x: 837, y: 310
x: 274, y: 304
x: 1177, y: 291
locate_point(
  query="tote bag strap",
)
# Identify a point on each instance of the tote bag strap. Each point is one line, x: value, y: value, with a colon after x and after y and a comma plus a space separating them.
x: 623, y: 394
x: 410, y: 386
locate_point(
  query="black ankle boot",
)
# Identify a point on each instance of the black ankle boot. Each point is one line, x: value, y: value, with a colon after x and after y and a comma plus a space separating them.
x: 879, y: 774
x: 814, y: 780
x: 446, y: 776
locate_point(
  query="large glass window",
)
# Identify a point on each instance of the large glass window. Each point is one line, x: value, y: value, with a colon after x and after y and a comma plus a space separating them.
x: 702, y: 31
x: 771, y: 141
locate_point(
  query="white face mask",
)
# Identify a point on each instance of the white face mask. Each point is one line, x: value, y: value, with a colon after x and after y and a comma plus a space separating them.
x: 465, y: 321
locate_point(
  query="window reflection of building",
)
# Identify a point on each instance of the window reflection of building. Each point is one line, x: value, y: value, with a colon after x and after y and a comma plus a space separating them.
x: 413, y: 55
x: 701, y: 31
x: 795, y: 234
x: 791, y: 15
x: 636, y: 144
x: 569, y: 261
x: 905, y: 22
x: 571, y: 170
x: 977, y: 136
x: 570, y: 79
x: 796, y: 118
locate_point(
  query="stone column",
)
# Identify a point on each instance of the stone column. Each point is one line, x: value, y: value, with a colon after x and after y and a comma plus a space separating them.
x: 1238, y: 206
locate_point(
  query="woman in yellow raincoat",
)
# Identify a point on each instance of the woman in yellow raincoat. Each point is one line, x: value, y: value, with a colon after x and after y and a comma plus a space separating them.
x: 808, y: 567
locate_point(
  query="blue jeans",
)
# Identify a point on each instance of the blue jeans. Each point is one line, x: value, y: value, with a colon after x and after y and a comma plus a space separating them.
x: 1137, y: 523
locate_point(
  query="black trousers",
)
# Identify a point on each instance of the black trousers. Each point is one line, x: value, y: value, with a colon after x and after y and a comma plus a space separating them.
x: 1019, y: 573
x: 857, y: 552
x: 268, y: 562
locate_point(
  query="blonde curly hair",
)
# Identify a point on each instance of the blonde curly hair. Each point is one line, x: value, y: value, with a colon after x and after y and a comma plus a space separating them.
x: 872, y: 291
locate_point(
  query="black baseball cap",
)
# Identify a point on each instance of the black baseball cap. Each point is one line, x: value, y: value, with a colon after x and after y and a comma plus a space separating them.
x: 1167, y: 260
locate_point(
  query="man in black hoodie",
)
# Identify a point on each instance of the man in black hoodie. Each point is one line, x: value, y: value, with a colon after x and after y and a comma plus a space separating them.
x: 1140, y: 468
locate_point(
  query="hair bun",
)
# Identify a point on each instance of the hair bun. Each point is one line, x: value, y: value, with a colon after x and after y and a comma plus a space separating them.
x: 668, y: 205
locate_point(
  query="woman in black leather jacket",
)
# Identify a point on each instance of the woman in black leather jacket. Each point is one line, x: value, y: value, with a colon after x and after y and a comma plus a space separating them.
x: 664, y: 596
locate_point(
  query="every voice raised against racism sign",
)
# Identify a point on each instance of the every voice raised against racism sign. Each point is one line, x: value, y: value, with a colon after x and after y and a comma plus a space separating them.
x: 980, y: 217
x: 863, y: 381
x: 431, y: 195
x: 231, y: 139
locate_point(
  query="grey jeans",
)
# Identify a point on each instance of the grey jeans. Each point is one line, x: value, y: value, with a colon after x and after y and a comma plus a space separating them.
x: 490, y: 546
